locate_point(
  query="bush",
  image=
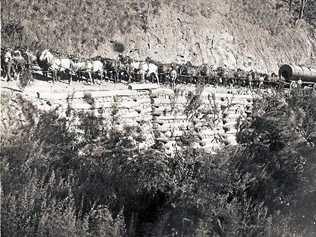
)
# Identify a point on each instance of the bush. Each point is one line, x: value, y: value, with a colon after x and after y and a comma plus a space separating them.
x: 60, y: 179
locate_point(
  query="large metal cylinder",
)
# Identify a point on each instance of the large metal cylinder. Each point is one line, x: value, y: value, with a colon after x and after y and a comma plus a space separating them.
x: 294, y: 73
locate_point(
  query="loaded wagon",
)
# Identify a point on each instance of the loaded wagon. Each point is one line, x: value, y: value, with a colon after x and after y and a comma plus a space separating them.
x: 291, y: 73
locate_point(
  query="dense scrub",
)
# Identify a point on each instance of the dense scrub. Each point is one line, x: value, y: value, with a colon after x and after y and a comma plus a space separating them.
x: 57, y: 181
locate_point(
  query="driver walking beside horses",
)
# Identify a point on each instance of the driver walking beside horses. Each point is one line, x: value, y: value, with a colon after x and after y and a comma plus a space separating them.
x: 12, y: 64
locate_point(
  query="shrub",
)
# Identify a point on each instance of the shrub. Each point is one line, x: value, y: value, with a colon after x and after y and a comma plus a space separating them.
x: 60, y: 179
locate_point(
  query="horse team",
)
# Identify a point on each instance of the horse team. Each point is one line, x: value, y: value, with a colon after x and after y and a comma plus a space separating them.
x: 124, y: 68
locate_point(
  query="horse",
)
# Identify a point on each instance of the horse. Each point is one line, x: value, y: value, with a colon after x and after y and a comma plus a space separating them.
x: 273, y: 79
x: 173, y: 75
x: 110, y: 69
x: 43, y: 64
x: 190, y: 72
x: 97, y: 69
x: 240, y: 77
x: 204, y: 70
x: 63, y: 67
x: 164, y: 72
x: 146, y: 69
x: 255, y: 76
x: 229, y: 75
x: 225, y: 75
x: 135, y: 70
x: 251, y: 76
x: 262, y: 79
x: 90, y: 68
x: 123, y: 68
x: 83, y: 69
x: 45, y: 60
x: 210, y: 73
x: 48, y: 62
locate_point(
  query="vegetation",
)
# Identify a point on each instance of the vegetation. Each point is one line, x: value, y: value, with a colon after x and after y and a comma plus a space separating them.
x: 67, y: 25
x: 82, y: 28
x: 94, y: 181
x: 61, y: 178
x: 302, y: 9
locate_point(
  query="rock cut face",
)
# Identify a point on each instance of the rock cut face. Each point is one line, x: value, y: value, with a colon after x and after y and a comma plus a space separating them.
x: 213, y: 34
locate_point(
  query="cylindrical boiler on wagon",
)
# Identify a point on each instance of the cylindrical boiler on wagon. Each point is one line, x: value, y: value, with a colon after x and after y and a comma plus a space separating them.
x: 294, y: 73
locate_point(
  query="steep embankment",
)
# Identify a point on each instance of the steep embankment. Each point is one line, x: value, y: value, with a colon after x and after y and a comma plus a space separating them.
x: 249, y: 34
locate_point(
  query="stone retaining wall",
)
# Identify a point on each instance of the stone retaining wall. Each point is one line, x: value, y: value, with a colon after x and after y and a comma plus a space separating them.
x: 164, y: 115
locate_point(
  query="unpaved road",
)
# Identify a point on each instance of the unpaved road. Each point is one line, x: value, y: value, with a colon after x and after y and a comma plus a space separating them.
x: 59, y: 89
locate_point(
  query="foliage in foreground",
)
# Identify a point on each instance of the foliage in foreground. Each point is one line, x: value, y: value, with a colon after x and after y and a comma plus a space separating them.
x: 57, y: 181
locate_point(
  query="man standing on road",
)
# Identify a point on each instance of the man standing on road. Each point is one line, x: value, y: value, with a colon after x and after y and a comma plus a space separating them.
x: 8, y: 64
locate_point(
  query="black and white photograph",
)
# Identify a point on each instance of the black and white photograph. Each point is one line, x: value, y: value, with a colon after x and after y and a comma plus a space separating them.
x: 158, y: 118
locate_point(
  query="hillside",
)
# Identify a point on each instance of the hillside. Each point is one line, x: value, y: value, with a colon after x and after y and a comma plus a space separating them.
x: 248, y: 34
